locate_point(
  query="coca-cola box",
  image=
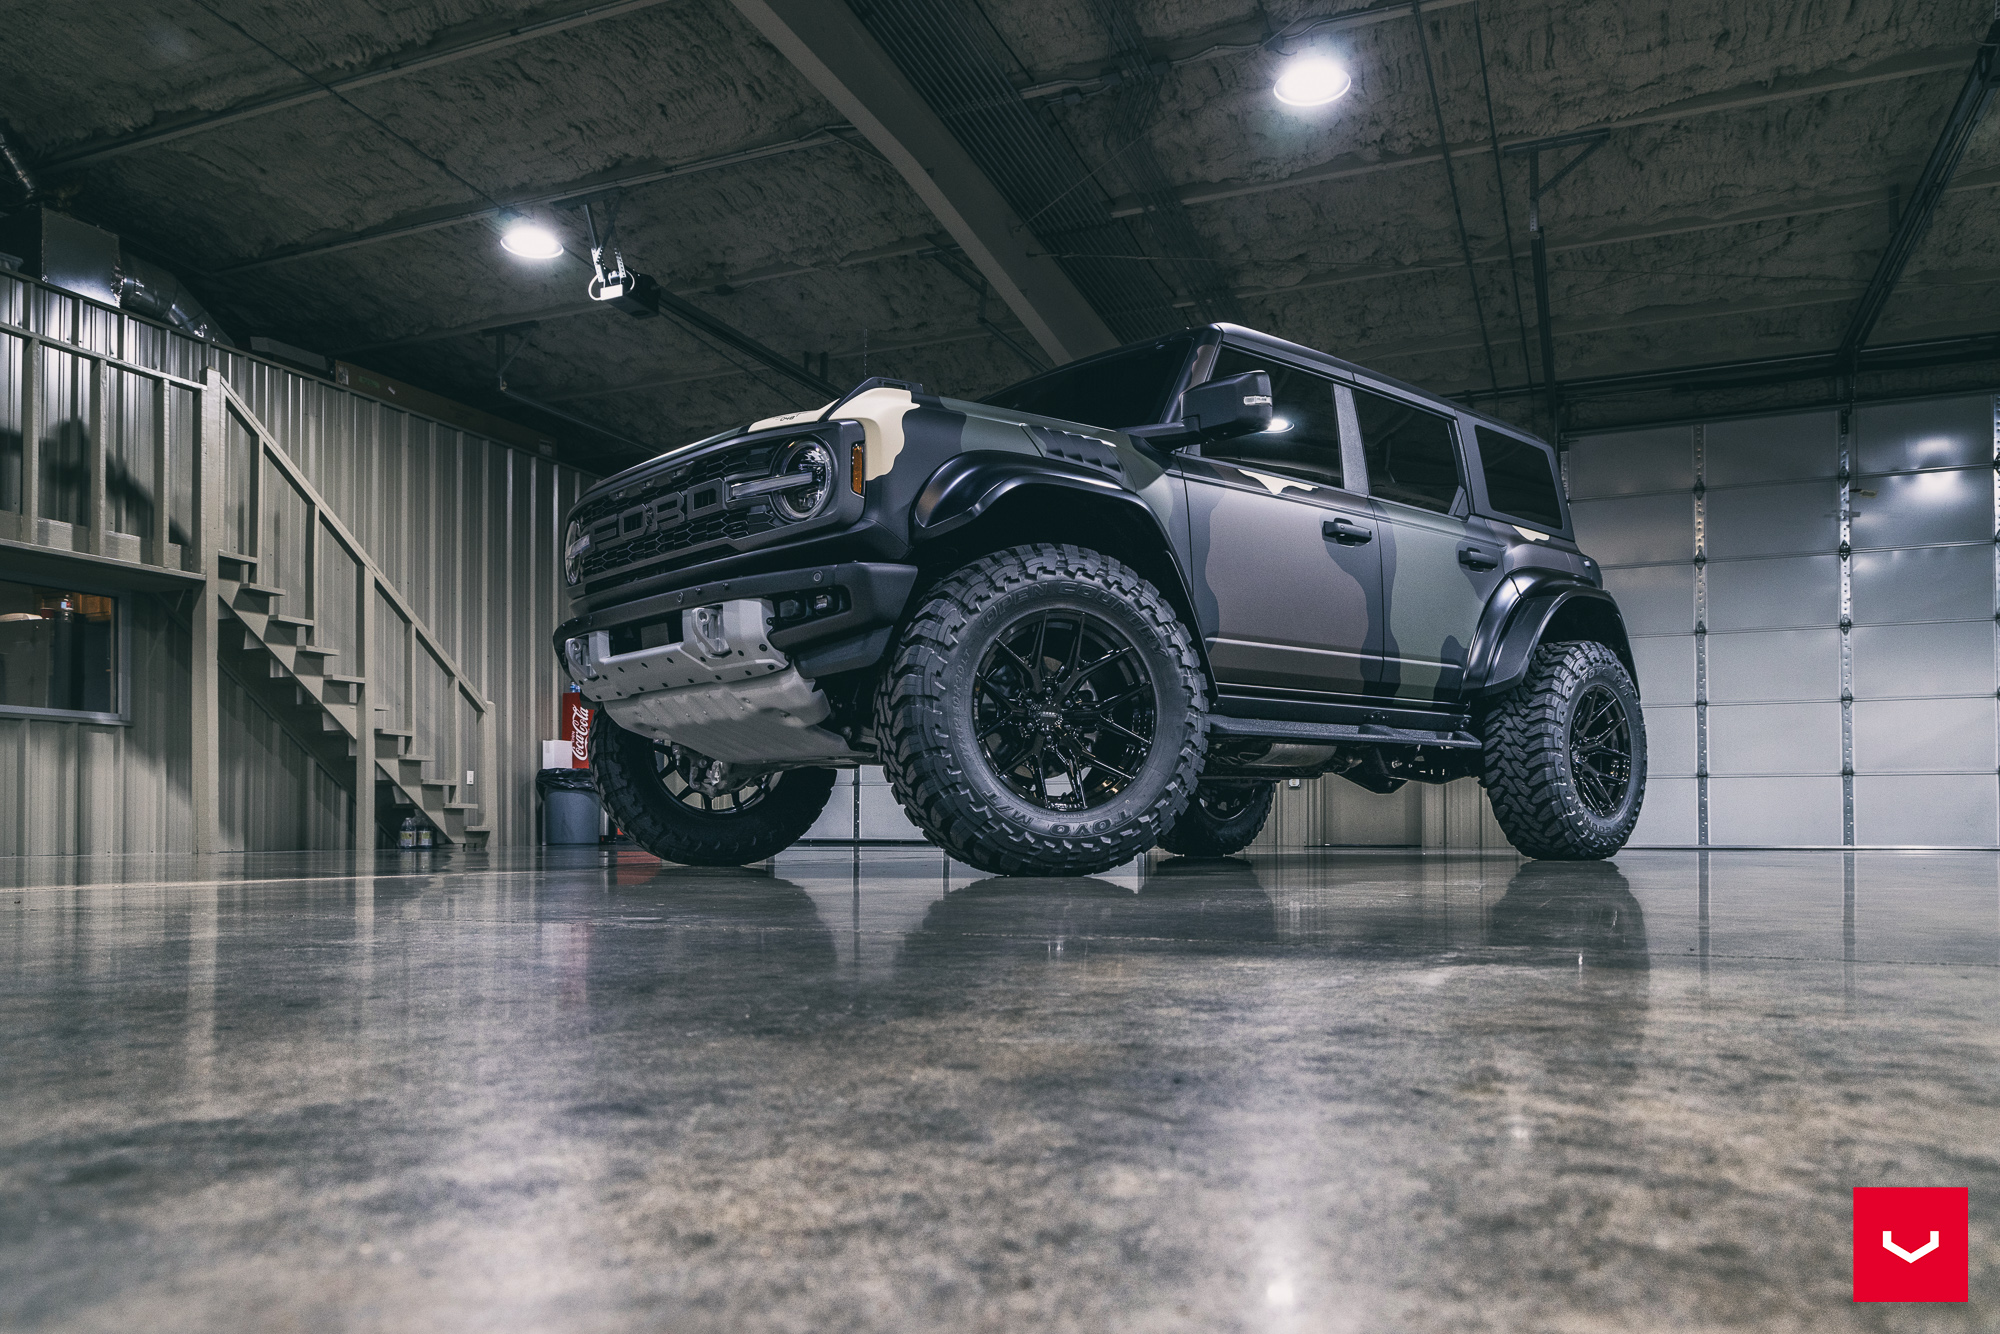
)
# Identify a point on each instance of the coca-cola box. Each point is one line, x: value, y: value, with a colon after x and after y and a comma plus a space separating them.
x: 576, y: 729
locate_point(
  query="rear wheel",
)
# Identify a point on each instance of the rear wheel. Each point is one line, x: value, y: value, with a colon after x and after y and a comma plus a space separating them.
x: 1565, y: 759
x: 1224, y: 817
x: 684, y: 807
x: 1044, y: 713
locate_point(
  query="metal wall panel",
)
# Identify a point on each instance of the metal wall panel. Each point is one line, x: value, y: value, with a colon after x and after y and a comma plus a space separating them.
x: 1936, y: 433
x: 1666, y: 668
x: 1670, y: 748
x: 1772, y: 449
x: 1746, y: 739
x: 1655, y: 599
x: 1775, y: 812
x: 1924, y: 584
x: 1636, y: 530
x: 882, y: 816
x: 466, y: 527
x: 1671, y: 815
x: 1773, y: 520
x: 1925, y: 508
x: 1773, y: 665
x: 1775, y: 593
x: 1898, y: 661
x: 1627, y: 463
x: 69, y: 787
x: 1924, y: 810
x: 1925, y: 736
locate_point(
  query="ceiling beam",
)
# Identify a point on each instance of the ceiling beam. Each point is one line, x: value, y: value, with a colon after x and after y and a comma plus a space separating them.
x: 1973, y: 99
x: 442, y: 52
x: 843, y: 61
x: 451, y: 215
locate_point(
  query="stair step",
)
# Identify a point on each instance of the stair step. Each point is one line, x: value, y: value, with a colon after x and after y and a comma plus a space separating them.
x: 261, y: 590
x: 278, y: 618
x: 479, y: 829
x: 334, y: 679
x: 236, y: 556
x: 310, y: 648
x: 461, y: 805
x: 434, y: 782
x: 393, y: 731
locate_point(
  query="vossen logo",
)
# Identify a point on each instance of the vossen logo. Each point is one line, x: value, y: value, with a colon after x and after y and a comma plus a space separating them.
x: 1912, y: 1243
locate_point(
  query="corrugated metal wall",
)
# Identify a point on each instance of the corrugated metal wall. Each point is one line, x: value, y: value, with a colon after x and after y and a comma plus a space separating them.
x: 68, y: 787
x: 468, y: 529
x: 1812, y: 601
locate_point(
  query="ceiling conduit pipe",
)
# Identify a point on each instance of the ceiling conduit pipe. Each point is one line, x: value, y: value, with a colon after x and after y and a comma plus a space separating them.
x: 16, y: 166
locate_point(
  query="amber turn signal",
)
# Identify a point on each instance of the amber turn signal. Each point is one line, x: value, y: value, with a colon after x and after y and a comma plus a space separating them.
x: 859, y: 458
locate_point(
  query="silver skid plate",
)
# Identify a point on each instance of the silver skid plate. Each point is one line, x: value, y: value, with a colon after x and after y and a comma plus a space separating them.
x: 722, y: 690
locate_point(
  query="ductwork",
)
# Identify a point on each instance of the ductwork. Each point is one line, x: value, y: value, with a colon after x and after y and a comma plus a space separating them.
x: 147, y: 289
x: 16, y: 166
x: 92, y: 262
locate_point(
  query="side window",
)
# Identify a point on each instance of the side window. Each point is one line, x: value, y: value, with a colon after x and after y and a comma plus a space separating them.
x: 1304, y: 439
x: 1520, y: 479
x: 1411, y: 453
x: 58, y: 650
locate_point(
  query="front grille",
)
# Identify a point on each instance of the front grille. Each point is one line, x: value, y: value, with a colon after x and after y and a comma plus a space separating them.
x: 644, y: 524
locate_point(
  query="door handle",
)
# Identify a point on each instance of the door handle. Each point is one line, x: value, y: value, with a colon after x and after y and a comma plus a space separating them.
x: 1475, y: 557
x: 1346, y: 532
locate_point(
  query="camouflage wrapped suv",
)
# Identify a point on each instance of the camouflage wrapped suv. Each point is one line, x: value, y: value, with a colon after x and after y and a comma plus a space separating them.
x: 1105, y: 609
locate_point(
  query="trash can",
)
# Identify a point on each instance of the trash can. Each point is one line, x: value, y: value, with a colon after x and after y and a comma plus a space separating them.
x: 569, y: 806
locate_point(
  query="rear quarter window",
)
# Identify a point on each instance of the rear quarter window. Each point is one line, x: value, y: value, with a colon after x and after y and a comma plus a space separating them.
x: 1520, y: 479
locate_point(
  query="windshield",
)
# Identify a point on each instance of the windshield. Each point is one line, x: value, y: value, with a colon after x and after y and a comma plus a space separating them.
x: 1129, y: 387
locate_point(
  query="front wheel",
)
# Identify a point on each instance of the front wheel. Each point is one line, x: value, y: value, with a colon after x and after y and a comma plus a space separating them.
x: 1044, y: 713
x: 1565, y: 757
x: 1223, y: 818
x: 683, y: 807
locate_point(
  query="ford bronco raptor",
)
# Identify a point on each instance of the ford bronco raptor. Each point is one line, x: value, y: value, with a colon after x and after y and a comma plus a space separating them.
x: 1106, y: 609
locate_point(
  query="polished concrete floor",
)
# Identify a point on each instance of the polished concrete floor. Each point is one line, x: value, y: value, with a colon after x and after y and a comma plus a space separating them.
x: 1321, y: 1091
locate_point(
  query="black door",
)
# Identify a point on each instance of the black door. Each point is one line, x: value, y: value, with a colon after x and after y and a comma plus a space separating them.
x: 1285, y: 559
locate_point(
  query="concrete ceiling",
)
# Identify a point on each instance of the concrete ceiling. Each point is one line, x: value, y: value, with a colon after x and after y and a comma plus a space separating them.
x: 1757, y: 153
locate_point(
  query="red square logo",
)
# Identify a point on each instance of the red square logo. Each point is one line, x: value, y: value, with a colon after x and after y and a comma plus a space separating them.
x: 1911, y: 1243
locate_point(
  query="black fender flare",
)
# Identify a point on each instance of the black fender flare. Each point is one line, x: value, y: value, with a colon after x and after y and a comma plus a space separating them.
x: 1519, y: 615
x: 968, y: 485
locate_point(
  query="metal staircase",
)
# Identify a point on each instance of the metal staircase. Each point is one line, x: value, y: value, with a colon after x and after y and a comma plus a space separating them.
x: 321, y: 638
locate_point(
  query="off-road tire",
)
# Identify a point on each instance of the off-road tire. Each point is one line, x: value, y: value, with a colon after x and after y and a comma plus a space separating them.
x: 924, y: 712
x: 1527, y: 761
x: 1214, y: 825
x: 625, y: 765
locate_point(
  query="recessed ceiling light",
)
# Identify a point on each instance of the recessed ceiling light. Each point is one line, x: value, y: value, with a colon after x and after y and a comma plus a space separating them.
x: 1312, y: 81
x: 531, y: 240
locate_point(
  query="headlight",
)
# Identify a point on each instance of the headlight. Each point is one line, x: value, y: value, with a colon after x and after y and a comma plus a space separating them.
x: 576, y: 545
x: 805, y: 501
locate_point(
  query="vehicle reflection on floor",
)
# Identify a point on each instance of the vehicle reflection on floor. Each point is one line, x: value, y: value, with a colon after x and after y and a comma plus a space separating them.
x: 869, y: 1088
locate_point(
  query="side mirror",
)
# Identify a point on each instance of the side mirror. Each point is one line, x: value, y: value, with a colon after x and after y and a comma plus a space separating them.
x: 1218, y: 410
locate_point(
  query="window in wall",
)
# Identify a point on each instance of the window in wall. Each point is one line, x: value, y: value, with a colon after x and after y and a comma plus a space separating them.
x: 1520, y: 479
x: 58, y: 650
x: 1411, y: 451
x: 1304, y: 439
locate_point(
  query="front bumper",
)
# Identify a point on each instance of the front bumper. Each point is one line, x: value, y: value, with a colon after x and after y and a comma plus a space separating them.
x: 868, y: 597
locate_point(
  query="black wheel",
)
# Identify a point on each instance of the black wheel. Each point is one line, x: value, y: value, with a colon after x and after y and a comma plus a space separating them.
x: 1044, y: 713
x: 1223, y: 818
x: 683, y: 807
x: 1565, y: 760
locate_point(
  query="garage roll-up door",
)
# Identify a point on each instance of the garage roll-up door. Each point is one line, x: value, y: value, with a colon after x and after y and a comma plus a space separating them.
x: 1812, y: 601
